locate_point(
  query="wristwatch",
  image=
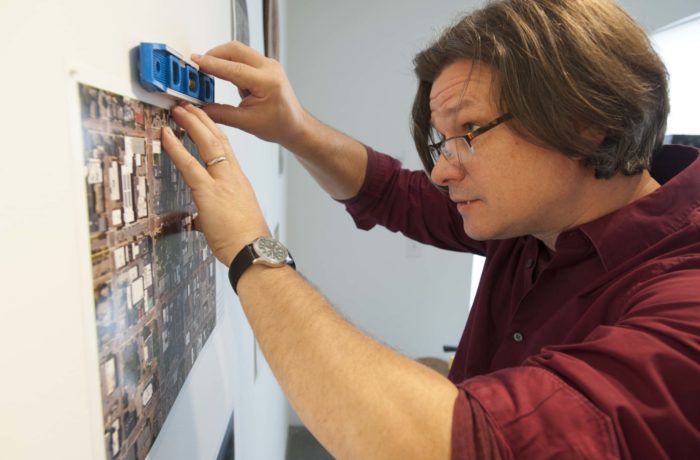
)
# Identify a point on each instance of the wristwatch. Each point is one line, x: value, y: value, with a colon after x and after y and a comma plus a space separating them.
x: 262, y: 251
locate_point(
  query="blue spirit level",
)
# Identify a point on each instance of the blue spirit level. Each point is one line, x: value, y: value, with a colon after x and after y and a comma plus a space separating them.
x: 163, y: 69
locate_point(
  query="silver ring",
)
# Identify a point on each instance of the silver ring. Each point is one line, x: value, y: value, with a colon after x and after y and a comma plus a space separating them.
x: 216, y: 160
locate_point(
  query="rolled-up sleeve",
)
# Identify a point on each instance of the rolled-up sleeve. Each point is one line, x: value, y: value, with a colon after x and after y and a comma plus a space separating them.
x: 528, y: 412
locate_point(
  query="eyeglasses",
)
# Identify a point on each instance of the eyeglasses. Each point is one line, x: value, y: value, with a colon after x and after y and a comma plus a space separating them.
x: 458, y: 147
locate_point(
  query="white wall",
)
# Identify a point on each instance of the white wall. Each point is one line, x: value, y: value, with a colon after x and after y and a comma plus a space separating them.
x: 49, y: 390
x: 350, y: 63
x: 672, y: 43
x: 655, y: 14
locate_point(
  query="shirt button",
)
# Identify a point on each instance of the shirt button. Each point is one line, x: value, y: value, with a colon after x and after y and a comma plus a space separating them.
x: 518, y: 337
x: 530, y: 263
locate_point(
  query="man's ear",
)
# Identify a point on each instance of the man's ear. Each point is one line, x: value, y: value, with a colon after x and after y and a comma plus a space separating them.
x: 590, y: 133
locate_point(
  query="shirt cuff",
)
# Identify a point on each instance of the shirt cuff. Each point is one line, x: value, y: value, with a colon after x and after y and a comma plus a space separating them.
x: 379, y: 167
x: 473, y: 433
x: 536, y: 415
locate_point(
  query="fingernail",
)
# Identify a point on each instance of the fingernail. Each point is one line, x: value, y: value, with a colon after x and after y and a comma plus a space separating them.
x: 196, y: 57
x: 167, y: 130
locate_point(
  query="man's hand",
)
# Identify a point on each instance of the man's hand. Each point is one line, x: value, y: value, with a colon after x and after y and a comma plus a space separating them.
x: 229, y: 214
x: 269, y: 108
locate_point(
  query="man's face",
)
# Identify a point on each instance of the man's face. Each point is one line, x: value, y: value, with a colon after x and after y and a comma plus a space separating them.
x: 508, y: 187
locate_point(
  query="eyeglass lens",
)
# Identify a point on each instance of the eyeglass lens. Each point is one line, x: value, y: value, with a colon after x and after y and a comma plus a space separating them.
x: 456, y: 149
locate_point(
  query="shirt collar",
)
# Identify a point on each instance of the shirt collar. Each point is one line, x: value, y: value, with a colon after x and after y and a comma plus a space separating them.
x: 652, y: 217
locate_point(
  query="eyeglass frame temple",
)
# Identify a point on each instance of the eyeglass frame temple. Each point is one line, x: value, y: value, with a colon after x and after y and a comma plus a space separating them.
x: 469, y: 137
x: 481, y: 130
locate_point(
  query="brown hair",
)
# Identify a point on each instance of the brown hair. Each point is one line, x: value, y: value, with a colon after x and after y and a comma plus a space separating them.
x: 560, y: 65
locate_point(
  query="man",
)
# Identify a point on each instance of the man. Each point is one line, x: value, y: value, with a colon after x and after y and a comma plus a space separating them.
x: 542, y: 122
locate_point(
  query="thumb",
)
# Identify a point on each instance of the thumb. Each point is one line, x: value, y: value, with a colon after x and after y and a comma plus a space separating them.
x: 226, y: 114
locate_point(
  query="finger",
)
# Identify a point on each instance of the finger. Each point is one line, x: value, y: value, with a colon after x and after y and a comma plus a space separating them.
x: 209, y: 123
x: 243, y: 93
x: 194, y: 174
x: 238, y: 52
x: 211, y: 148
x: 240, y: 74
x: 209, y: 145
x: 228, y: 115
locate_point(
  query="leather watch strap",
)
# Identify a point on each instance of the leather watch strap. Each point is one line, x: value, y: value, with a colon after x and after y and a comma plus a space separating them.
x: 240, y: 264
x: 249, y: 256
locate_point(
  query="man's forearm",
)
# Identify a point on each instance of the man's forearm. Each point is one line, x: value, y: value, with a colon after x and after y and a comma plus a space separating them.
x: 360, y: 398
x: 337, y: 161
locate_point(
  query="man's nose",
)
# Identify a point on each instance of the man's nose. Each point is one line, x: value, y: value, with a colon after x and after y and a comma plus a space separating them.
x: 445, y: 171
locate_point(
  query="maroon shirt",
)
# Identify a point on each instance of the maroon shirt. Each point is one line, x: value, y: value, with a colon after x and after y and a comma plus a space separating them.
x: 590, y: 352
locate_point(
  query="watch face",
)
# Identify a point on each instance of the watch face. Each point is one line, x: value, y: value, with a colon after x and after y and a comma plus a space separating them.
x: 270, y: 249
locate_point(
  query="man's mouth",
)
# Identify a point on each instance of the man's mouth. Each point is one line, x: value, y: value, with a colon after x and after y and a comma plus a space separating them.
x: 464, y: 204
x: 464, y: 200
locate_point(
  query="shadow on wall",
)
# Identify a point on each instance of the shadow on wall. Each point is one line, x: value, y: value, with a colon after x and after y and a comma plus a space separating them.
x: 302, y: 445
